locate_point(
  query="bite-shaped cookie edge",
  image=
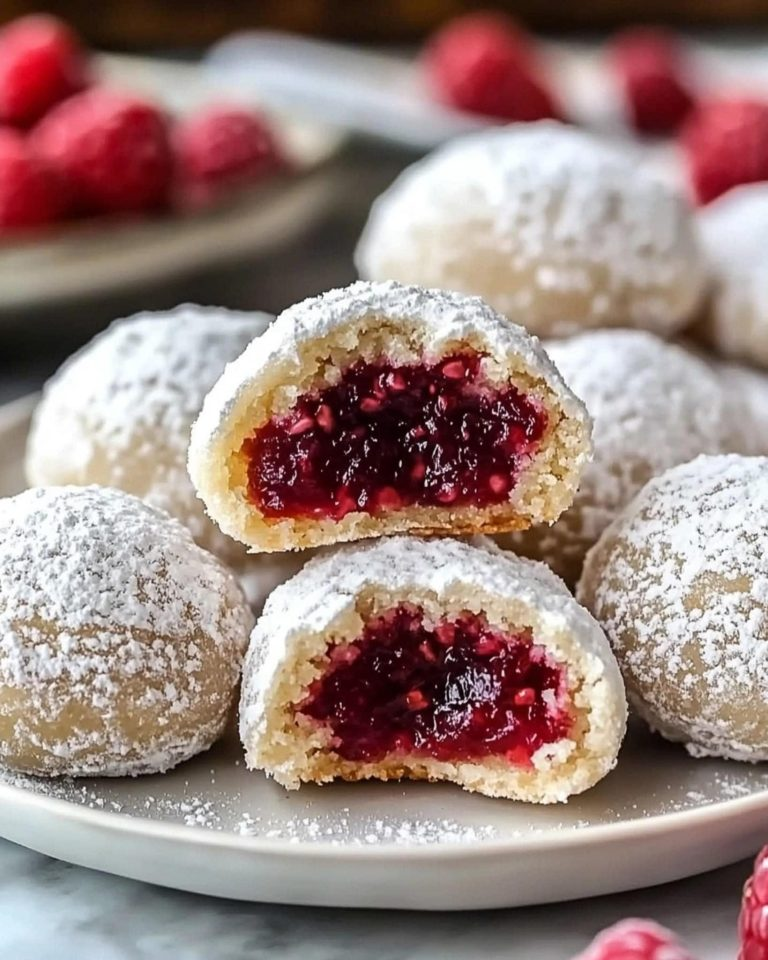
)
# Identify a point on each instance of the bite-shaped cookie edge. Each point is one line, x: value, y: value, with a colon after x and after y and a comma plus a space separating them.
x: 327, y: 602
x: 405, y: 323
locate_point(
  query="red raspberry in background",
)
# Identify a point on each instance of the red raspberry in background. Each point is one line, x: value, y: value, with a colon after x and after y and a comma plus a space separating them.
x: 650, y: 67
x: 29, y: 194
x: 112, y: 151
x: 41, y: 63
x: 726, y: 144
x: 635, y: 940
x: 484, y: 64
x: 222, y: 149
x: 753, y: 921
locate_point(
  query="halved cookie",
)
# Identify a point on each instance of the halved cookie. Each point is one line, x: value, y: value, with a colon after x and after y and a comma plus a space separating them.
x: 380, y: 409
x: 431, y: 659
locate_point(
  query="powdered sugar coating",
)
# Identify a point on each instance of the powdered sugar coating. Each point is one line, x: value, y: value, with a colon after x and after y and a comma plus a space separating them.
x: 734, y: 227
x: 653, y: 405
x: 438, y: 574
x: 734, y: 231
x: 120, y: 639
x: 679, y: 583
x: 551, y: 226
x: 312, y: 598
x: 118, y: 413
x: 451, y: 318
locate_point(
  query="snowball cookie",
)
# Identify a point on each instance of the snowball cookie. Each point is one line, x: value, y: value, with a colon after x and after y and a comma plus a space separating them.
x: 734, y: 231
x: 118, y: 413
x: 380, y: 409
x: 747, y: 396
x: 679, y: 582
x: 120, y: 639
x: 654, y: 405
x: 431, y: 660
x: 552, y: 227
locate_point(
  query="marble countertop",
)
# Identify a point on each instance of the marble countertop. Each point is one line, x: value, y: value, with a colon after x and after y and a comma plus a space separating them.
x: 53, y: 910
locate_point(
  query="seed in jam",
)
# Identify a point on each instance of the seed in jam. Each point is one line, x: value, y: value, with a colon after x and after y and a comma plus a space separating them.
x: 386, y: 437
x: 456, y: 691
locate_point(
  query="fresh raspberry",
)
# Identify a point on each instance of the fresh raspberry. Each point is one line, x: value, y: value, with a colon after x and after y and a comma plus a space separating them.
x: 650, y: 67
x: 484, y: 64
x: 41, y: 63
x: 220, y: 150
x: 726, y: 144
x: 112, y: 151
x: 29, y: 195
x: 635, y: 940
x: 753, y: 920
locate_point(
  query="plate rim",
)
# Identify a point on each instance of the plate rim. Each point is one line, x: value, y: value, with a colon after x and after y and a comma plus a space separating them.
x: 545, y: 841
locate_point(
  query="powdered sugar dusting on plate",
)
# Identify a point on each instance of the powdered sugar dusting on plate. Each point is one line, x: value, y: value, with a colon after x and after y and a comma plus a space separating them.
x: 216, y: 794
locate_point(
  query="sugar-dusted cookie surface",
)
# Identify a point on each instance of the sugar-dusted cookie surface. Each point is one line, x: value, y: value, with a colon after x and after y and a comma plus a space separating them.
x: 553, y: 227
x: 746, y: 391
x: 121, y: 640
x: 118, y: 413
x: 431, y: 659
x: 381, y: 409
x: 653, y: 405
x: 734, y: 230
x: 679, y: 583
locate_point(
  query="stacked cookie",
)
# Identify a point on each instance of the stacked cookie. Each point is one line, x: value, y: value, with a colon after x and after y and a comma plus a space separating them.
x: 384, y: 410
x: 367, y: 412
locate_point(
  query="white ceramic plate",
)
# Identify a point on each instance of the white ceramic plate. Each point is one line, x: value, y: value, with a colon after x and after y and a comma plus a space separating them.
x: 101, y: 256
x: 212, y: 827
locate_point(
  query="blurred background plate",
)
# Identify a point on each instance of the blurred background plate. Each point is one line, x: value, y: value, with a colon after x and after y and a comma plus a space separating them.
x: 383, y: 95
x: 98, y: 257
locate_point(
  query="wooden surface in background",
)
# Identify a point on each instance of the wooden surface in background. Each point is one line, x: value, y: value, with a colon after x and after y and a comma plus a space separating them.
x: 170, y: 23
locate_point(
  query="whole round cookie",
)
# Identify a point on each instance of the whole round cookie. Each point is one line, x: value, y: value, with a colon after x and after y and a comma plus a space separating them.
x: 549, y: 225
x: 121, y: 641
x: 653, y: 405
x: 679, y: 583
x: 119, y: 412
x: 734, y: 231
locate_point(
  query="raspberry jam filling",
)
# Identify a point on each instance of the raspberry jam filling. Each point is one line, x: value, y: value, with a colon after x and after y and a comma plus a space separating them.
x: 389, y: 436
x: 456, y: 691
